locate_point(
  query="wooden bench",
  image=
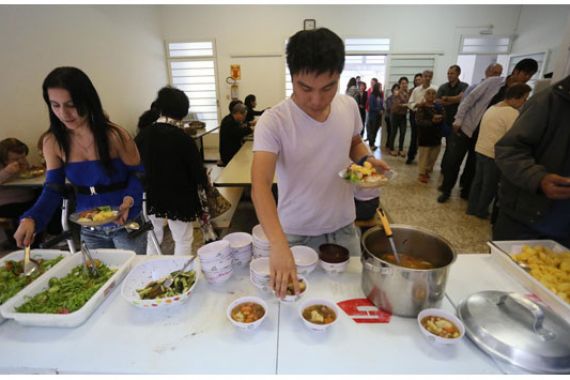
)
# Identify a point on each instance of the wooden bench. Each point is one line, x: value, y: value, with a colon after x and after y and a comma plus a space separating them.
x: 232, y: 194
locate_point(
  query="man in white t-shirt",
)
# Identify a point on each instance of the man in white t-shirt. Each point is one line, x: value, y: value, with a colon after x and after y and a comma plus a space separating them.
x: 308, y: 139
x: 496, y: 121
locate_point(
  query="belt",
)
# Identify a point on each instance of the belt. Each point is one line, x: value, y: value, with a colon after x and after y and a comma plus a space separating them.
x: 100, y: 189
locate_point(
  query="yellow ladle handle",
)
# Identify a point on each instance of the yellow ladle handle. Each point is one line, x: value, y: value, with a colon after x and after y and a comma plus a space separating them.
x: 384, y: 221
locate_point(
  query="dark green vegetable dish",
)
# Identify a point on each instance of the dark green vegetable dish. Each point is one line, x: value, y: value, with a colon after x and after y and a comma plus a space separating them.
x: 10, y: 280
x: 68, y: 294
x: 181, y: 282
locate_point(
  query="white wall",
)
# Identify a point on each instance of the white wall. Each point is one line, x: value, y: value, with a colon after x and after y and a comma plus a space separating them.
x: 119, y: 47
x: 263, y: 29
x: 541, y: 28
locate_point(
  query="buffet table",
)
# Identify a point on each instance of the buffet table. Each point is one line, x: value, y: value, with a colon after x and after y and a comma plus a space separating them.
x: 196, y: 337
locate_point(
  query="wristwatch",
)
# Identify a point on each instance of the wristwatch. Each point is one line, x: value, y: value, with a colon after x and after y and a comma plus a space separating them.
x: 364, y: 159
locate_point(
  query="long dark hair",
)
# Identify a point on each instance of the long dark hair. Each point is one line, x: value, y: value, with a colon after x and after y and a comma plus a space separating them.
x: 248, y: 101
x: 88, y: 104
x: 376, y: 90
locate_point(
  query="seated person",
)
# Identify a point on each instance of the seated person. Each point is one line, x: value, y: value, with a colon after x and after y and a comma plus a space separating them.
x: 13, y: 200
x: 232, y: 131
x: 251, y: 102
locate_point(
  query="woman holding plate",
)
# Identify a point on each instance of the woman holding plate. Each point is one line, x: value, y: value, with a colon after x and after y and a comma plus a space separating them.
x: 99, y: 158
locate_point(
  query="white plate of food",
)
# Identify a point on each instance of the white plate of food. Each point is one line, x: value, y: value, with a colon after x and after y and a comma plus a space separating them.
x: 95, y: 217
x: 366, y: 176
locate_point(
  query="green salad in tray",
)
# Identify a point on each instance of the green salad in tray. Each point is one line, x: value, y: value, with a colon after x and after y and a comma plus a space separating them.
x: 68, y: 294
x: 10, y: 280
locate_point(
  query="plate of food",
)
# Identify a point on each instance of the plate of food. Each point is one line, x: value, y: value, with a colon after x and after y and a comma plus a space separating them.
x: 32, y: 172
x: 366, y: 175
x: 95, y: 217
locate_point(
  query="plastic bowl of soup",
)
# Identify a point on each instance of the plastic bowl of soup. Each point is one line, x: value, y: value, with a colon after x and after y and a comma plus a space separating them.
x: 318, y: 314
x: 440, y: 326
x: 247, y: 313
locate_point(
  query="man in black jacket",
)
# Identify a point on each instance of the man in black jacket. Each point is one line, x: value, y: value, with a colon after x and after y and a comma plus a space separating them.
x: 534, y: 159
x: 232, y: 132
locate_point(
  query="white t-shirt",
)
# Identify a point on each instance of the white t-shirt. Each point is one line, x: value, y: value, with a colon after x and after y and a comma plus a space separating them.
x: 313, y: 199
x: 495, y: 123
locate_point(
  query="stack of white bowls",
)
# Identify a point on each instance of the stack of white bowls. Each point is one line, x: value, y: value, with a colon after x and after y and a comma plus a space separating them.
x: 260, y: 242
x: 241, y: 247
x: 259, y: 273
x: 216, y: 261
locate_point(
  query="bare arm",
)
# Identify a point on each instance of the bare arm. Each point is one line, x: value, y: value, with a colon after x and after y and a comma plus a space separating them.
x: 281, y: 262
x: 358, y: 150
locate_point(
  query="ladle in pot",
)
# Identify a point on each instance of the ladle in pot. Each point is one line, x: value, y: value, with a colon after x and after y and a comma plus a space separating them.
x: 388, y: 232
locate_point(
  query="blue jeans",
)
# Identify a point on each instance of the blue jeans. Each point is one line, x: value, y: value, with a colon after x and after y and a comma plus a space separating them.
x: 114, y: 237
x: 484, y: 186
x: 346, y: 236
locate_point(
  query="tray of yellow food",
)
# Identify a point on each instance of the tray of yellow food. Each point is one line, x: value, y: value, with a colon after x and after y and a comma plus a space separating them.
x: 95, y: 217
x: 541, y: 266
x: 32, y: 172
x: 365, y: 176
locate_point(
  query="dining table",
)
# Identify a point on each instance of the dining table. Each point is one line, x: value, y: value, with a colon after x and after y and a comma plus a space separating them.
x: 196, y: 337
x: 237, y: 172
x: 198, y: 135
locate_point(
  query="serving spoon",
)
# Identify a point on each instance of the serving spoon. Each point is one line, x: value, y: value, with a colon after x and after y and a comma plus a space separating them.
x: 388, y: 232
x: 29, y: 266
x: 169, y: 280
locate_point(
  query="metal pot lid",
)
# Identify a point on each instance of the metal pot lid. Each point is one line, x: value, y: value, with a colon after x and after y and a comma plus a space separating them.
x: 517, y: 330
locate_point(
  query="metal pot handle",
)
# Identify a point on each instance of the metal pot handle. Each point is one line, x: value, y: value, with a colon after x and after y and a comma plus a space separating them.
x: 534, y: 309
x: 376, y: 269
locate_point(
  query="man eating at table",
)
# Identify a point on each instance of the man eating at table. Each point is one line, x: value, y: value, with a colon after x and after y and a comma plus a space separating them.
x: 308, y: 139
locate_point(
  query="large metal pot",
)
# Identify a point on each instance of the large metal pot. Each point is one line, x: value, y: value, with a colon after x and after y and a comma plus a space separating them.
x: 404, y: 291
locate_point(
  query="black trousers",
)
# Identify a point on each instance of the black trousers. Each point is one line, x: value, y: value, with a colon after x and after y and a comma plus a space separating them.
x: 413, y: 150
x: 459, y: 146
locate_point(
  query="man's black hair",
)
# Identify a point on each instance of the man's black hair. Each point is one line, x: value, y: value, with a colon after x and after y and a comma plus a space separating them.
x: 315, y: 51
x: 528, y: 65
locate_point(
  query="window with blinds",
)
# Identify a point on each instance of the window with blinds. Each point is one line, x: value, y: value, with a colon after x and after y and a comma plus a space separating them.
x: 192, y: 69
x: 485, y: 45
x: 408, y: 67
x: 364, y: 56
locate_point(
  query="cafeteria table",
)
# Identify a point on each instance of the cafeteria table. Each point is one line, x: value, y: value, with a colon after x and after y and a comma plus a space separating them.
x: 198, y: 136
x: 237, y: 172
x: 196, y: 337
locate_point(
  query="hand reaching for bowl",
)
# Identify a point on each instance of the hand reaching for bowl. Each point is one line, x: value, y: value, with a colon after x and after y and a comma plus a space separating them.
x: 282, y: 269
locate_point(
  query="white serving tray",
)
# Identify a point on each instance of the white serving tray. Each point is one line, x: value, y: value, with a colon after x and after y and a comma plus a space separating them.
x: 114, y: 258
x: 46, y: 254
x: 502, y: 252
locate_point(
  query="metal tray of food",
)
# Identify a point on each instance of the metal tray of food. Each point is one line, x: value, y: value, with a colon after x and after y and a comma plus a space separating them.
x: 116, y: 259
x: 503, y: 252
x: 8, y: 285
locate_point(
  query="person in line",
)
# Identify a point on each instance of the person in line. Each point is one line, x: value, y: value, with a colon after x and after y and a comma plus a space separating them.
x: 315, y: 205
x: 534, y: 160
x: 174, y: 171
x: 399, y: 113
x: 351, y: 88
x: 493, y: 70
x: 429, y: 119
x: 362, y: 100
x: 374, y: 116
x: 250, y: 102
x: 388, y: 114
x: 466, y: 126
x: 449, y: 95
x: 417, y: 98
x: 13, y: 201
x: 232, y: 132
x: 496, y: 121
x: 99, y: 158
